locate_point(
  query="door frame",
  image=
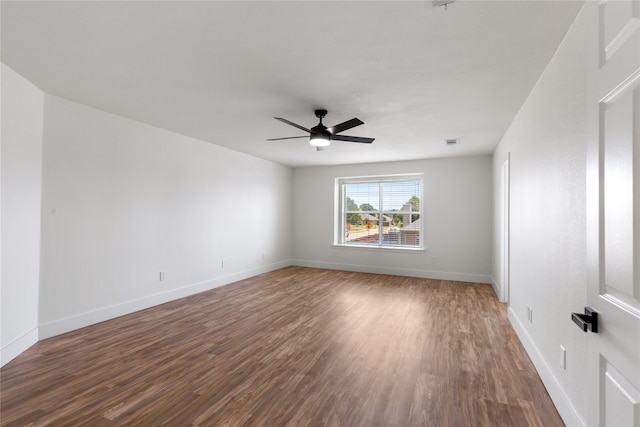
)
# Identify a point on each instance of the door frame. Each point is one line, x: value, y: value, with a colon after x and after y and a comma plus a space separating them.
x: 505, y: 195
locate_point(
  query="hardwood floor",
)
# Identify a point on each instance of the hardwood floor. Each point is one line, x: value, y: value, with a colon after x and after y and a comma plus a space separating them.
x: 294, y: 347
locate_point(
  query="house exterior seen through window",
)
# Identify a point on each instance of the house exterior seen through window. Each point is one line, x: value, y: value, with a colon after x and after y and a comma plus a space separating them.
x: 382, y: 211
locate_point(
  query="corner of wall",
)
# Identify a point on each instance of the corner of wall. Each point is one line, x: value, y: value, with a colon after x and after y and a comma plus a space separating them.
x: 496, y: 288
x: 17, y: 346
x: 21, y: 194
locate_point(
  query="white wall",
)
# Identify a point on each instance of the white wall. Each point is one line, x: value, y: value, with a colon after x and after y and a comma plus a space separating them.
x: 20, y: 193
x: 123, y: 201
x: 457, y: 215
x: 547, y: 141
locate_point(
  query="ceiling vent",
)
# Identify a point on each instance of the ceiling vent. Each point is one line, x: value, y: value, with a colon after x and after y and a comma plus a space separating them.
x: 454, y: 141
x: 438, y: 3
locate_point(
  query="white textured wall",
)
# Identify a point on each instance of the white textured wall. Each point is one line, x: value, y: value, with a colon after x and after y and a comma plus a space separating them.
x: 20, y: 194
x: 457, y: 215
x: 123, y: 201
x: 547, y: 141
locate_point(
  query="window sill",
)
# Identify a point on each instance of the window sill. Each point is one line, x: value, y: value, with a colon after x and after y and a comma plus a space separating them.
x: 380, y: 247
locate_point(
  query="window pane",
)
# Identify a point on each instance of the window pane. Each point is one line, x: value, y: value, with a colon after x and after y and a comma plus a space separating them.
x: 365, y: 195
x: 401, y: 203
x: 410, y: 232
x: 397, y: 194
x: 366, y: 230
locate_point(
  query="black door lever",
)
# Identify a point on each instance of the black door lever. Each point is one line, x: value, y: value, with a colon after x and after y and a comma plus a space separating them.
x: 587, y: 321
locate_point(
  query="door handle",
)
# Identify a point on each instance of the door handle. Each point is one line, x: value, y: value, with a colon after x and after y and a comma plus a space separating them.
x: 587, y: 321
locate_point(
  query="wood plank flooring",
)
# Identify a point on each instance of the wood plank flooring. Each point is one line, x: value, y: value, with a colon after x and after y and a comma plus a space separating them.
x: 294, y: 347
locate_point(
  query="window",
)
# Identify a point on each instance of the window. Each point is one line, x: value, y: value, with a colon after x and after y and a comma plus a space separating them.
x: 381, y: 211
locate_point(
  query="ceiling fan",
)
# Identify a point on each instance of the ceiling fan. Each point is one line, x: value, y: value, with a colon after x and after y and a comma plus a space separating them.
x: 321, y: 136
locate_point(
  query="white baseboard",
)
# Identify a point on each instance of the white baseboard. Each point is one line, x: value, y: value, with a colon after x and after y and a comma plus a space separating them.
x: 563, y: 405
x: 425, y: 274
x: 71, y: 323
x: 496, y: 289
x: 17, y: 346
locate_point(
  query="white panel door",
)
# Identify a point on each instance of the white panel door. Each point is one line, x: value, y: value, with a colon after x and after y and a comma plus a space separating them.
x: 613, y: 213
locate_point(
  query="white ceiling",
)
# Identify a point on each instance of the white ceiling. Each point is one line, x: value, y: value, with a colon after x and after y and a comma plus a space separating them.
x: 220, y: 71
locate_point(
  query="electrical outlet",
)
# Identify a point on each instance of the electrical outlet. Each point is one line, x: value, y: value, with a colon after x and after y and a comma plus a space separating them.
x: 224, y: 262
x: 563, y: 357
x: 162, y: 276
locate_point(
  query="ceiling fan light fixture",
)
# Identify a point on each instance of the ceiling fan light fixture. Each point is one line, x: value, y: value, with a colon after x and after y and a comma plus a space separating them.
x: 319, y: 141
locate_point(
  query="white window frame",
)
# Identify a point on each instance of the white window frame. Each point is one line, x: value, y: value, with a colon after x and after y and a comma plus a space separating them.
x: 340, y: 217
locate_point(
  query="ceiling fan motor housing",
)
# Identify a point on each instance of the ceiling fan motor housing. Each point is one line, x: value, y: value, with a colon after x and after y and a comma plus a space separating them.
x: 320, y: 130
x: 320, y: 114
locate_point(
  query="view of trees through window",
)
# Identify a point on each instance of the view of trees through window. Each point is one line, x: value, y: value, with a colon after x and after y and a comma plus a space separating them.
x: 382, y: 213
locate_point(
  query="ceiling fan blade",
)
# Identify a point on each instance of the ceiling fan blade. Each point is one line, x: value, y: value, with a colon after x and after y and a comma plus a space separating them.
x: 353, y: 139
x: 345, y: 125
x: 292, y: 124
x: 288, y: 137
